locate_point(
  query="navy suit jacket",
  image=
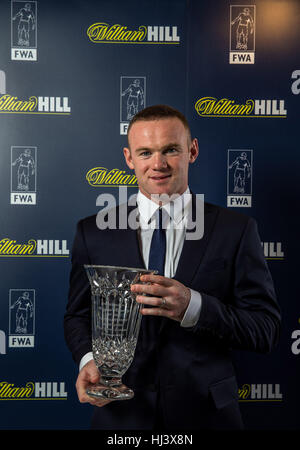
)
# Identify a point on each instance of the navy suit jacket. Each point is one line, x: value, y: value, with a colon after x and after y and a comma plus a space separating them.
x: 191, y: 368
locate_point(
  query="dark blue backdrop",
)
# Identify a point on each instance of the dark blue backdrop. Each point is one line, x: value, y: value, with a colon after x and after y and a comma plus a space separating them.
x: 81, y: 131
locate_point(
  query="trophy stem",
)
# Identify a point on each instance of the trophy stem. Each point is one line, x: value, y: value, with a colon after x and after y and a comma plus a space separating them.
x: 110, y: 388
x: 110, y: 381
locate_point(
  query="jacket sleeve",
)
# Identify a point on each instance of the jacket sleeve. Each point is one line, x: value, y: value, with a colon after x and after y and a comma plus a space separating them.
x: 251, y: 319
x: 77, y: 319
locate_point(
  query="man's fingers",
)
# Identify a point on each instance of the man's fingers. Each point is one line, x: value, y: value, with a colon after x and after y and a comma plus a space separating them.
x: 152, y: 312
x: 166, y: 297
x: 159, y: 279
x: 88, y: 375
x: 163, y: 312
x: 152, y: 301
x: 93, y: 400
x: 154, y: 290
x: 100, y: 403
x: 82, y: 385
x: 96, y: 401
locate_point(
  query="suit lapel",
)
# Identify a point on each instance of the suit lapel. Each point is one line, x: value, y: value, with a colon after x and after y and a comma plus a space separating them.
x: 193, y: 250
x: 128, y: 239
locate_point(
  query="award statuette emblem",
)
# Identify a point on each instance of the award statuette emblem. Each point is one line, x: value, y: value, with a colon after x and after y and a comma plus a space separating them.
x: 116, y: 321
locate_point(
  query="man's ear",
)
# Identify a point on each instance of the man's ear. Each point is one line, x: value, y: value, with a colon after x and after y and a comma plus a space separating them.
x: 194, y: 150
x: 128, y: 159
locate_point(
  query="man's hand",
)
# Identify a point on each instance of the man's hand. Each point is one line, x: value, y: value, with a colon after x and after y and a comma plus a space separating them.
x: 89, y: 374
x: 169, y: 297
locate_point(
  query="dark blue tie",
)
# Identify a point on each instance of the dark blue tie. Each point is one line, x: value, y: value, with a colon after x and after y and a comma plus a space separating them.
x: 158, y: 246
x: 151, y: 324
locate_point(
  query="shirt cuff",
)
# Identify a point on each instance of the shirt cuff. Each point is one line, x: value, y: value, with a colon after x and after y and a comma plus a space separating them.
x: 85, y: 359
x: 193, y: 310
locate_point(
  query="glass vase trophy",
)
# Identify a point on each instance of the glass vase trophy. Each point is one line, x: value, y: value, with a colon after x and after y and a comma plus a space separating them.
x: 116, y: 321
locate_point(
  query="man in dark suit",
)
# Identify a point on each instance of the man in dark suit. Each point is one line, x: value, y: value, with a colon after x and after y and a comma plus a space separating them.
x: 213, y: 294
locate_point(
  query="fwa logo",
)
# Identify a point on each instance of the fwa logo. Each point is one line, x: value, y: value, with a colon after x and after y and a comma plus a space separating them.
x: 23, y: 175
x: 132, y: 99
x: 242, y: 34
x: 21, y: 317
x: 239, y: 178
x: 24, y: 30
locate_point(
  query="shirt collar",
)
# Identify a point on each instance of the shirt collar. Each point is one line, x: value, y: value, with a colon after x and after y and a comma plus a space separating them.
x: 176, y: 209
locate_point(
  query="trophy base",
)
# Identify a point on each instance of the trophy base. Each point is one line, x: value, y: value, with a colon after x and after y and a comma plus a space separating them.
x: 105, y: 392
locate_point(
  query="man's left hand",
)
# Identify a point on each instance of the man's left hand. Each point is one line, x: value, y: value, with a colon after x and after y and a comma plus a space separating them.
x: 169, y: 297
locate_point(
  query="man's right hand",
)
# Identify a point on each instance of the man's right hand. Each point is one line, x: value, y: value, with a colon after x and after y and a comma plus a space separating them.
x: 89, y: 374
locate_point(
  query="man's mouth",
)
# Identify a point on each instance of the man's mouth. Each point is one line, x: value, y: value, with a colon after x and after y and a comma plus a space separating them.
x: 160, y: 177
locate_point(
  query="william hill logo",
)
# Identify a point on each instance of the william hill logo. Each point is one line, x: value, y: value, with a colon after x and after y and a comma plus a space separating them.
x: 100, y: 176
x: 273, y: 251
x: 102, y: 32
x: 40, y: 247
x: 212, y: 107
x: 34, y: 105
x: 33, y: 391
x: 260, y: 392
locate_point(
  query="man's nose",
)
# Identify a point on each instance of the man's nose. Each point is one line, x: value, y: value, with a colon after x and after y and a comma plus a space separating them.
x: 159, y: 161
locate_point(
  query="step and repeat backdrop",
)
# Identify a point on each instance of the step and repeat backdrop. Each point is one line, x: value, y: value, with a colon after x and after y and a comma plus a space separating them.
x: 72, y: 74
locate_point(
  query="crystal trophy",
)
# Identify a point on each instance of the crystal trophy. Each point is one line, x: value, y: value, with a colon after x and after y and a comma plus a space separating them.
x: 116, y: 321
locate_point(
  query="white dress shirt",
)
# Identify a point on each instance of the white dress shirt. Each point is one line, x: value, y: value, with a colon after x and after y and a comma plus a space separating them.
x: 175, y: 214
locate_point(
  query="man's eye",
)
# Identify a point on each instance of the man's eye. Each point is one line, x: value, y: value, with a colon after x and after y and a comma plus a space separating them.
x: 145, y: 154
x: 171, y: 150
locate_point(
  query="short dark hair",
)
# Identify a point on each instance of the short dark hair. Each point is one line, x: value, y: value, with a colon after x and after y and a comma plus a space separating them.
x: 159, y: 112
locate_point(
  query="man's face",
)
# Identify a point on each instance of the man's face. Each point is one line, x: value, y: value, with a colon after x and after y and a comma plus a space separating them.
x: 160, y: 153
